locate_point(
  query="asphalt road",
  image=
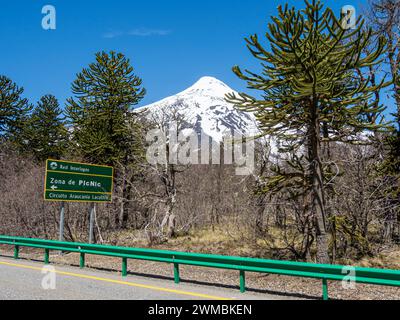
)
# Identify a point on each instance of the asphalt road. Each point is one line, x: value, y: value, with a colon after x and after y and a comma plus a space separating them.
x: 26, y: 280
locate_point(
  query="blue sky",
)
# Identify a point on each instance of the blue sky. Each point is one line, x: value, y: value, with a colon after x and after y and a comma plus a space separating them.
x: 170, y: 43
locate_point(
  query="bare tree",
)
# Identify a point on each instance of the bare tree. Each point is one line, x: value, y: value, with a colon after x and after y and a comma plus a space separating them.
x: 170, y: 121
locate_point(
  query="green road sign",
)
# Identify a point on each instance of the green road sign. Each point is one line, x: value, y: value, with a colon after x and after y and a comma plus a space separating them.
x: 77, y: 182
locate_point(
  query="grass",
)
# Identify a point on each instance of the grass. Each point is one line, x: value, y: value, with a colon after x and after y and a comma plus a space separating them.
x: 229, y: 239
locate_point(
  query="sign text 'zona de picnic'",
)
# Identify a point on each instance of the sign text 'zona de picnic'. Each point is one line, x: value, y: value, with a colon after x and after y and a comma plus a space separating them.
x: 80, y: 182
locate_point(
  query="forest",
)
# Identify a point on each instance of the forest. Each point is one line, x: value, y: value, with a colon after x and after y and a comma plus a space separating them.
x: 327, y: 93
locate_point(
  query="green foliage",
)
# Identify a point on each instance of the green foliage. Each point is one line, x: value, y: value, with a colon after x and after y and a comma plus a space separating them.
x: 312, y: 59
x: 14, y: 111
x: 100, y: 112
x: 390, y: 165
x: 350, y: 236
x: 48, y: 136
x: 309, y: 83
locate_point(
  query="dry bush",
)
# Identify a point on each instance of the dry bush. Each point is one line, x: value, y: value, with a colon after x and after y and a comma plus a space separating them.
x: 212, y: 200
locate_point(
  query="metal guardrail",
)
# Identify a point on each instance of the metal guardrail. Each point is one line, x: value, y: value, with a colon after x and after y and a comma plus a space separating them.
x: 324, y: 272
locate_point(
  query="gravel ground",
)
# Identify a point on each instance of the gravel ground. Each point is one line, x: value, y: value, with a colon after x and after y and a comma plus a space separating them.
x: 287, y: 287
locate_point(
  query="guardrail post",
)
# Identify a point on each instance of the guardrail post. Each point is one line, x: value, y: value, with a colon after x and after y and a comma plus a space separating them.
x: 124, y: 267
x: 82, y: 260
x: 176, y: 273
x: 242, y: 281
x: 325, y: 289
x: 16, y: 251
x: 46, y: 256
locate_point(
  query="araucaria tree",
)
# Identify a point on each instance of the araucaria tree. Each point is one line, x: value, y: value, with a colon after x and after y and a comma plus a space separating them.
x: 105, y: 93
x: 14, y: 111
x: 311, y: 95
x: 48, y: 136
x: 103, y: 124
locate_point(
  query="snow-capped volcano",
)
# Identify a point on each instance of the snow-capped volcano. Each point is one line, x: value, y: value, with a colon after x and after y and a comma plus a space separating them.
x: 205, y: 109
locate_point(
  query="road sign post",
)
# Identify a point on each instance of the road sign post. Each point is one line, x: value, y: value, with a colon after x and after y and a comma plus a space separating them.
x: 62, y: 221
x: 91, y: 221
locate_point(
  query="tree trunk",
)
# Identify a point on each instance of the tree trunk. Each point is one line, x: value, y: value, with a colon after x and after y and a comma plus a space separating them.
x: 316, y: 181
x: 124, y: 186
x: 216, y: 210
x: 171, y: 225
x: 119, y: 218
x: 260, y: 208
x: 169, y: 220
x: 307, y: 241
x: 126, y: 197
